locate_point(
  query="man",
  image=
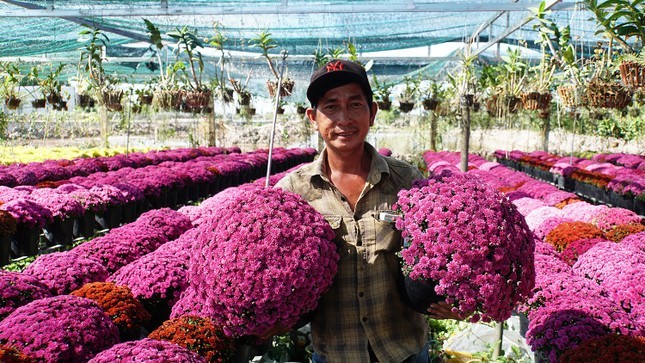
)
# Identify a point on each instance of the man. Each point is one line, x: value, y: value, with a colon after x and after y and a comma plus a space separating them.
x: 362, y: 318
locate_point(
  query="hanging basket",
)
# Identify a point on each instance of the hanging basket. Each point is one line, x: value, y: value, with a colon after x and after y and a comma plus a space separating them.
x: 12, y: 102
x: 632, y: 74
x: 430, y: 104
x: 84, y: 101
x: 146, y: 99
x: 53, y: 98
x: 5, y: 250
x: 568, y: 98
x: 513, y: 103
x: 608, y: 95
x: 25, y: 241
x: 384, y: 105
x: 112, y: 99
x: 167, y: 99
x: 418, y: 294
x: 536, y: 101
x: 197, y: 100
x: 406, y: 107
x: 285, y: 89
x: 39, y: 103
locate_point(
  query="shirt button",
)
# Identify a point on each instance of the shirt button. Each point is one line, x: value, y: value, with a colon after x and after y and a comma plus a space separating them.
x: 360, y: 294
x: 364, y: 319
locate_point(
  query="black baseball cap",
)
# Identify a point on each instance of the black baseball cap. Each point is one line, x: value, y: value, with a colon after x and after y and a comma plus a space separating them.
x: 336, y: 73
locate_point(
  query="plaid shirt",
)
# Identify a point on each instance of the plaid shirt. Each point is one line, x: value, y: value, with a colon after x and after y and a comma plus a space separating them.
x: 363, y: 304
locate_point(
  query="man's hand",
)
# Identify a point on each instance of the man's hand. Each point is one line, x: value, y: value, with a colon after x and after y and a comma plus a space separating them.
x: 442, y: 310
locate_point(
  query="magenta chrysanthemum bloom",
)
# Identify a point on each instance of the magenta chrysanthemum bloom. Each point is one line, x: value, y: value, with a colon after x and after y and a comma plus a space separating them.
x: 606, y: 259
x: 547, y: 225
x: 546, y: 265
x: 576, y: 248
x: 543, y: 248
x: 121, y: 245
x: 265, y: 260
x: 538, y: 215
x: 28, y: 212
x: 168, y: 222
x: 193, y: 302
x: 636, y: 240
x: 109, y: 195
x: 18, y: 289
x: 582, y: 211
x: 149, y: 351
x: 526, y: 205
x: 61, y: 205
x: 59, y: 329
x: 157, y: 276
x: 64, y: 272
x: 606, y: 219
x: 471, y: 240
x: 555, y: 331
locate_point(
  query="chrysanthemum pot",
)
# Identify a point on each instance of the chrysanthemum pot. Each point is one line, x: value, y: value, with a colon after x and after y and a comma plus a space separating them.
x: 621, y: 200
x: 418, y: 294
x: 5, y: 249
x: 60, y: 232
x: 109, y: 219
x: 129, y: 212
x: 639, y: 207
x: 84, y: 225
x: 25, y: 241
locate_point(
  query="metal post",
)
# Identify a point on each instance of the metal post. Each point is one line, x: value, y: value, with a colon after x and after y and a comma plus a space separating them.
x: 284, y: 55
x: 499, y: 329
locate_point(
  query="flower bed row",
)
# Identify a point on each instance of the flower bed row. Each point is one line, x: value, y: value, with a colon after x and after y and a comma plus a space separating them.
x: 633, y: 161
x: 602, y: 182
x: 78, y: 206
x: 588, y: 300
x: 52, y: 170
x: 137, y: 274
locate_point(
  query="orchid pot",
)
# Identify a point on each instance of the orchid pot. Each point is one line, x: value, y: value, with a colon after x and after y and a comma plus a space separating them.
x: 406, y: 107
x: 632, y: 74
x: 39, y: 103
x: 430, y: 104
x: 12, y: 102
x: 536, y: 100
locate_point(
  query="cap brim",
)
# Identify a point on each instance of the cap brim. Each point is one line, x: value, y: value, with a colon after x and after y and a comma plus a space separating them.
x: 331, y: 80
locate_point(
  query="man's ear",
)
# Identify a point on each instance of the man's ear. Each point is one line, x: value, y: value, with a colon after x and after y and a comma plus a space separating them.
x: 373, y: 113
x: 311, y: 115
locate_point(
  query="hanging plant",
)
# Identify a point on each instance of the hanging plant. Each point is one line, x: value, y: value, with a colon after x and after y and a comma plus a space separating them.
x: 266, y: 42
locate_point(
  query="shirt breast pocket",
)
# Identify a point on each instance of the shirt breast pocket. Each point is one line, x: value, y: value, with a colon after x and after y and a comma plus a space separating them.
x: 386, y: 237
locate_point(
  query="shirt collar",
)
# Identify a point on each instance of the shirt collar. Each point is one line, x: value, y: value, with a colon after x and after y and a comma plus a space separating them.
x: 378, y: 167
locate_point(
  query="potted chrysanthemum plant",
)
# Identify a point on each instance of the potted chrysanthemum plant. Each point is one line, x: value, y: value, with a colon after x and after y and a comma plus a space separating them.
x: 263, y: 262
x: 469, y: 241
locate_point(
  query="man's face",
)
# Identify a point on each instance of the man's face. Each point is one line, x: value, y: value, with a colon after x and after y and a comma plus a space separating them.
x: 343, y: 117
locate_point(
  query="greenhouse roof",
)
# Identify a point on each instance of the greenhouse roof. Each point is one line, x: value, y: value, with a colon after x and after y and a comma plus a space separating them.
x: 399, y: 36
